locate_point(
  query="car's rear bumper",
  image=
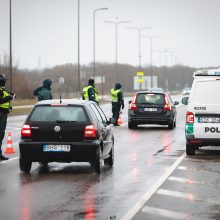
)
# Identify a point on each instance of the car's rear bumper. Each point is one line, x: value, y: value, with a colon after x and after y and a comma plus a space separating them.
x: 202, y: 141
x: 79, y: 152
x: 162, y: 120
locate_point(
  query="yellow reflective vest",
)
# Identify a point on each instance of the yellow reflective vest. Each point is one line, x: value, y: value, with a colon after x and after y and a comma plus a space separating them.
x: 5, y: 105
x: 96, y: 95
x: 85, y: 92
x: 114, y: 94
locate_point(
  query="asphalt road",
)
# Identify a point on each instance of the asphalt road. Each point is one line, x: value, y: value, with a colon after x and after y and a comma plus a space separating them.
x: 151, y: 179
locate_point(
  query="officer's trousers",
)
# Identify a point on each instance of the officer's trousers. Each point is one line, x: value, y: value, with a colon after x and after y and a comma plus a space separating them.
x: 3, y: 123
x: 115, y: 111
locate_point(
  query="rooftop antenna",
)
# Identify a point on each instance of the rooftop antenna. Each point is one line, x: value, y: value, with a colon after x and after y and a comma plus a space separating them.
x: 61, y: 81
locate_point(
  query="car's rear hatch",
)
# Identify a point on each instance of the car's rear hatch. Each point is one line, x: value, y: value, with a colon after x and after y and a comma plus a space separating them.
x: 58, y: 123
x: 206, y: 106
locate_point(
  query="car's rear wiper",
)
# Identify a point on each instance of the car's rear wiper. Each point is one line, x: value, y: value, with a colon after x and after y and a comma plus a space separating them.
x: 62, y: 121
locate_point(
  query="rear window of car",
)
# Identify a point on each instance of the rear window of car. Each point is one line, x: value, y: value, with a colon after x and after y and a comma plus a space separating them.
x: 150, y: 98
x: 61, y: 113
x: 207, y: 92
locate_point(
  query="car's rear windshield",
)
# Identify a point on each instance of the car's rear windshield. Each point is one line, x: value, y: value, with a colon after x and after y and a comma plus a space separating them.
x: 58, y: 113
x: 150, y: 98
x: 207, y: 92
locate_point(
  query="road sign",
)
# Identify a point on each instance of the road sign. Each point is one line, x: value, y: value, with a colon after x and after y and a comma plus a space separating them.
x: 140, y: 77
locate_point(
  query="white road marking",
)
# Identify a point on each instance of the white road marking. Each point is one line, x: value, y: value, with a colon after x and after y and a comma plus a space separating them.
x: 10, y: 160
x: 165, y: 213
x: 147, y: 195
x: 197, y: 170
x: 16, y: 129
x: 175, y: 194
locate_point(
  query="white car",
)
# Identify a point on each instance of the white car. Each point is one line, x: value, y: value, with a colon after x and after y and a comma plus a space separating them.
x: 186, y: 91
x: 203, y: 112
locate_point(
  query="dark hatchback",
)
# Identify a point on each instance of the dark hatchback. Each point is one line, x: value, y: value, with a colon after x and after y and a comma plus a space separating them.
x: 152, y: 107
x: 73, y: 130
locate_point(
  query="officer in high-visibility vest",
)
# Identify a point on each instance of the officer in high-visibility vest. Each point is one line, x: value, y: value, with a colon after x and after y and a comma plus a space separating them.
x: 90, y: 92
x: 117, y: 102
x: 5, y: 106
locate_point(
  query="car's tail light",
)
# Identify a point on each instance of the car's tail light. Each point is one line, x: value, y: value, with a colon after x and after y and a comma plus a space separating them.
x: 26, y: 131
x: 189, y: 117
x: 90, y: 131
x: 133, y: 105
x: 167, y: 105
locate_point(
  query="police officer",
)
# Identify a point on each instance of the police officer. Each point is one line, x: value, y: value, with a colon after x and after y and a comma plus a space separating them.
x: 117, y: 102
x: 5, y: 106
x: 90, y: 92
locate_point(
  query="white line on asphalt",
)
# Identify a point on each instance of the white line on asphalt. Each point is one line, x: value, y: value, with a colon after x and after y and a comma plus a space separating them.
x: 16, y: 129
x: 175, y: 194
x: 165, y: 213
x: 197, y: 170
x: 131, y: 213
x: 10, y: 160
x: 190, y: 181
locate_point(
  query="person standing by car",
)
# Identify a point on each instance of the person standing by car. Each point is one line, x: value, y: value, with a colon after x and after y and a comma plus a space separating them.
x: 90, y: 92
x: 43, y: 92
x: 5, y: 106
x: 117, y: 102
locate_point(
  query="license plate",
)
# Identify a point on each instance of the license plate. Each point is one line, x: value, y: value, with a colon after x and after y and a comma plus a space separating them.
x: 150, y: 109
x: 56, y: 148
x: 208, y: 119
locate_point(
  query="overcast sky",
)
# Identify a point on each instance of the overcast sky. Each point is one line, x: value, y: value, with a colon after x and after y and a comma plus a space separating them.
x: 44, y: 32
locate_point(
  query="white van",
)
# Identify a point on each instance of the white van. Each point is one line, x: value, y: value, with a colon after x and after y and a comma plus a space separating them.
x: 203, y: 112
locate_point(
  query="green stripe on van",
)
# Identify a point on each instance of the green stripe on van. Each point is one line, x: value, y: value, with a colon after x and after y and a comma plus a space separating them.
x: 189, y: 129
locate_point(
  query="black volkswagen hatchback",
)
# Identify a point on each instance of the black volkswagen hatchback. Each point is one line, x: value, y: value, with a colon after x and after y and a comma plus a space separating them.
x: 73, y: 130
x: 152, y: 107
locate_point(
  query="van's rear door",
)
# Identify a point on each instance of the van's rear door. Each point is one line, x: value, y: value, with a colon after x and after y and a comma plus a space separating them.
x: 206, y: 104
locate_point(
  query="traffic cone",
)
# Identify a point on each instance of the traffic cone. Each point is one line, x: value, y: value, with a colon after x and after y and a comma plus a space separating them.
x: 9, y: 149
x: 120, y: 120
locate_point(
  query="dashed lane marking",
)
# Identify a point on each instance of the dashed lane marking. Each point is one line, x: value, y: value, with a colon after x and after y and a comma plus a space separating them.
x: 165, y: 213
x: 197, y: 170
x: 147, y: 195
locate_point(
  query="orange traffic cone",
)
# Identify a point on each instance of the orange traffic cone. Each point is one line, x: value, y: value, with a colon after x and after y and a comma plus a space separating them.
x: 120, y: 120
x: 9, y: 149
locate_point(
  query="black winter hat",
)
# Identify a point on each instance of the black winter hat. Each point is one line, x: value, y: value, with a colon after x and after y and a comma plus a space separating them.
x: 91, y: 81
x: 117, y: 86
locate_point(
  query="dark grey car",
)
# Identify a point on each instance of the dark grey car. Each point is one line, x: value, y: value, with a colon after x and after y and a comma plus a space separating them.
x: 74, y: 130
x: 149, y: 107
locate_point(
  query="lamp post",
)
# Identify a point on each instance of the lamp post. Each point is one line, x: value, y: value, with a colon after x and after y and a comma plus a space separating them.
x: 139, y: 41
x: 78, y: 69
x: 94, y: 13
x: 116, y: 23
x: 151, y: 57
x: 10, y: 46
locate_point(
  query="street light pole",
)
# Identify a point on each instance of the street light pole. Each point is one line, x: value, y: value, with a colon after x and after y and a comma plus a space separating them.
x: 94, y: 13
x: 10, y: 46
x: 139, y: 41
x: 116, y: 23
x: 79, y: 82
x: 151, y: 58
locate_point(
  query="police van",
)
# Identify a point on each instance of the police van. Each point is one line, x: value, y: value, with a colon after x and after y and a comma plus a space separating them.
x: 202, y: 126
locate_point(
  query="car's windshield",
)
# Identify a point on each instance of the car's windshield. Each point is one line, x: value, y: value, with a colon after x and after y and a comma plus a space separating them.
x: 58, y: 113
x: 150, y: 98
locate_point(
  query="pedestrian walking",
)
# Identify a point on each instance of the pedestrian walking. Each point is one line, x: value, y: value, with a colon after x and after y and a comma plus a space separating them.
x: 44, y: 92
x: 117, y: 102
x: 90, y: 92
x: 5, y: 107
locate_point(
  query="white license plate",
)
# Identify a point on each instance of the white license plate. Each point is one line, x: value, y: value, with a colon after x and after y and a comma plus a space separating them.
x: 56, y: 148
x: 150, y: 109
x: 208, y: 119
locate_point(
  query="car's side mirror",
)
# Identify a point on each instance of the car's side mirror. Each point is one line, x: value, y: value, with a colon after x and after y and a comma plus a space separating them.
x: 129, y: 102
x: 185, y: 100
x: 176, y: 103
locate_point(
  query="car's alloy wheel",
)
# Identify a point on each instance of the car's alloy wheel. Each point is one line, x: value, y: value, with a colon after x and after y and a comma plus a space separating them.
x: 25, y: 165
x: 98, y: 161
x: 131, y: 125
x: 172, y: 124
x: 190, y: 149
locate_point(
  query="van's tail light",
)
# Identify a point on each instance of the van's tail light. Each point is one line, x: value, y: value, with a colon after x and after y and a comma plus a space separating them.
x: 90, y: 131
x: 26, y: 131
x: 167, y: 105
x: 133, y: 105
x: 189, y: 117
